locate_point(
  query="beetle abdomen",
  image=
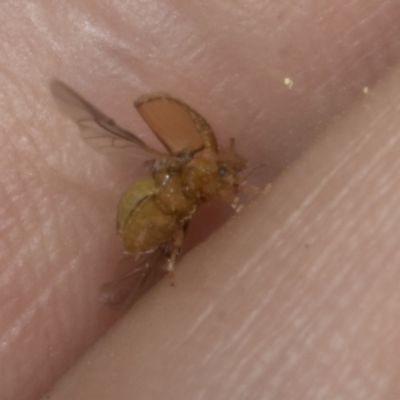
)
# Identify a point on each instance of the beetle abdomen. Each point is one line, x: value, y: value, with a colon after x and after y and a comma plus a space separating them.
x: 142, y: 225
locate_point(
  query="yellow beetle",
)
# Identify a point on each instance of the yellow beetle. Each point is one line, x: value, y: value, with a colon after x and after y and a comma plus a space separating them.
x: 154, y: 211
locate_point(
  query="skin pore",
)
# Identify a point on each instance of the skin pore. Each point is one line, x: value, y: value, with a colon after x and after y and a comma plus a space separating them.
x: 297, y: 295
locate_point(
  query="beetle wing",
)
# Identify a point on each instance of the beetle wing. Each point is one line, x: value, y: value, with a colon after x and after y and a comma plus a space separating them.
x: 134, y: 276
x: 97, y: 129
x: 180, y: 128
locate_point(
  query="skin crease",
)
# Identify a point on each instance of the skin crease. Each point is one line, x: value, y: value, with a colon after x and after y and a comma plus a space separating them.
x: 298, y: 295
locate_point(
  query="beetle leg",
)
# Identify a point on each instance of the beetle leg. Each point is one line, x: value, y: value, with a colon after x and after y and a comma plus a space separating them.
x: 174, y: 253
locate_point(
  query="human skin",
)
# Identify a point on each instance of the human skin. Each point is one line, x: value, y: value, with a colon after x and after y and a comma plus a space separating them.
x: 298, y: 295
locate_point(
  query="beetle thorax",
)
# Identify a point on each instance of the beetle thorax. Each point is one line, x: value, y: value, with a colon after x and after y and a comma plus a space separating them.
x: 209, y: 176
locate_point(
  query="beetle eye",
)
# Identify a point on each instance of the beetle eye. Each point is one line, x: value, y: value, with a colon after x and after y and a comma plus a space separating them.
x: 222, y: 171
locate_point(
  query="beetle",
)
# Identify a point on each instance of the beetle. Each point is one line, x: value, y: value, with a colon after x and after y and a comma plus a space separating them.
x: 154, y: 211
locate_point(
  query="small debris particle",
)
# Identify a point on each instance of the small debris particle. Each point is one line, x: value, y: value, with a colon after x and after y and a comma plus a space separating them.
x: 288, y: 82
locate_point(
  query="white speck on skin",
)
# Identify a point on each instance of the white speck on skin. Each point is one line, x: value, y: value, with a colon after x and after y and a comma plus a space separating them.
x: 288, y: 82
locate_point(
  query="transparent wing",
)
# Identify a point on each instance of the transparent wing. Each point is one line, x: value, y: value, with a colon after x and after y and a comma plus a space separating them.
x: 177, y: 126
x: 97, y: 130
x: 134, y: 276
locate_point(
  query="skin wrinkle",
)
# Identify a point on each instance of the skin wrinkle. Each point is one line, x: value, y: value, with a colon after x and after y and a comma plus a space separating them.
x: 41, y: 207
x: 363, y: 387
x: 367, y: 374
x: 244, y: 362
x: 366, y: 350
x: 23, y: 318
x: 199, y: 321
x: 68, y: 314
x: 210, y: 354
x: 238, y: 341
